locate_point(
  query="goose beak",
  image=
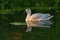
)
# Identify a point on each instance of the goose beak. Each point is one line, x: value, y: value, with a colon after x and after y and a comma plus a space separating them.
x: 25, y: 12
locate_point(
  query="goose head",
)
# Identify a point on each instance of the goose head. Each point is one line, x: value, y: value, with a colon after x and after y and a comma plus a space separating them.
x: 28, y: 10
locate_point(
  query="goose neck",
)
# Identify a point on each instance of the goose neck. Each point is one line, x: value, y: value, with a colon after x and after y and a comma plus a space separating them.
x: 29, y: 14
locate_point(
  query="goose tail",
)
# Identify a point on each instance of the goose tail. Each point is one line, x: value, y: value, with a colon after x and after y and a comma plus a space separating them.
x: 46, y: 18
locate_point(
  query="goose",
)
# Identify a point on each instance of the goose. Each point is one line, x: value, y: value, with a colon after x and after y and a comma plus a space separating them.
x: 36, y: 19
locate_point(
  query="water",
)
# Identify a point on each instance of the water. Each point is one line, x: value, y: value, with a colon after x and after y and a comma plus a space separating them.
x: 46, y: 23
x: 16, y: 31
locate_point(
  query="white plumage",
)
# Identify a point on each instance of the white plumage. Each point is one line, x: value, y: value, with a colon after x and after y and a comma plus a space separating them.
x: 36, y: 19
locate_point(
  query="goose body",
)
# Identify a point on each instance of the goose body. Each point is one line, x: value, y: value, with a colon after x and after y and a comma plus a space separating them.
x: 36, y: 19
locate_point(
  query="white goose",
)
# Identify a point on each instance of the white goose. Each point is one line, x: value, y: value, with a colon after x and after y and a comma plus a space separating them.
x: 36, y: 19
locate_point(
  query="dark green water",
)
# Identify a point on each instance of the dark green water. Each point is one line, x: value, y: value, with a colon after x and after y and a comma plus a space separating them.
x: 14, y: 11
x: 15, y: 32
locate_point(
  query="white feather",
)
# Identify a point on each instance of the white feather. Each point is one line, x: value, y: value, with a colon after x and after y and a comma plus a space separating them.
x: 37, y: 19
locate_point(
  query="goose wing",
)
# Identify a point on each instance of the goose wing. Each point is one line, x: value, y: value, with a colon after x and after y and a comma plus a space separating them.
x: 38, y: 16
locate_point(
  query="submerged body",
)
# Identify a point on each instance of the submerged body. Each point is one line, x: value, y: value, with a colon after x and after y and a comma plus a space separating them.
x: 36, y: 20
